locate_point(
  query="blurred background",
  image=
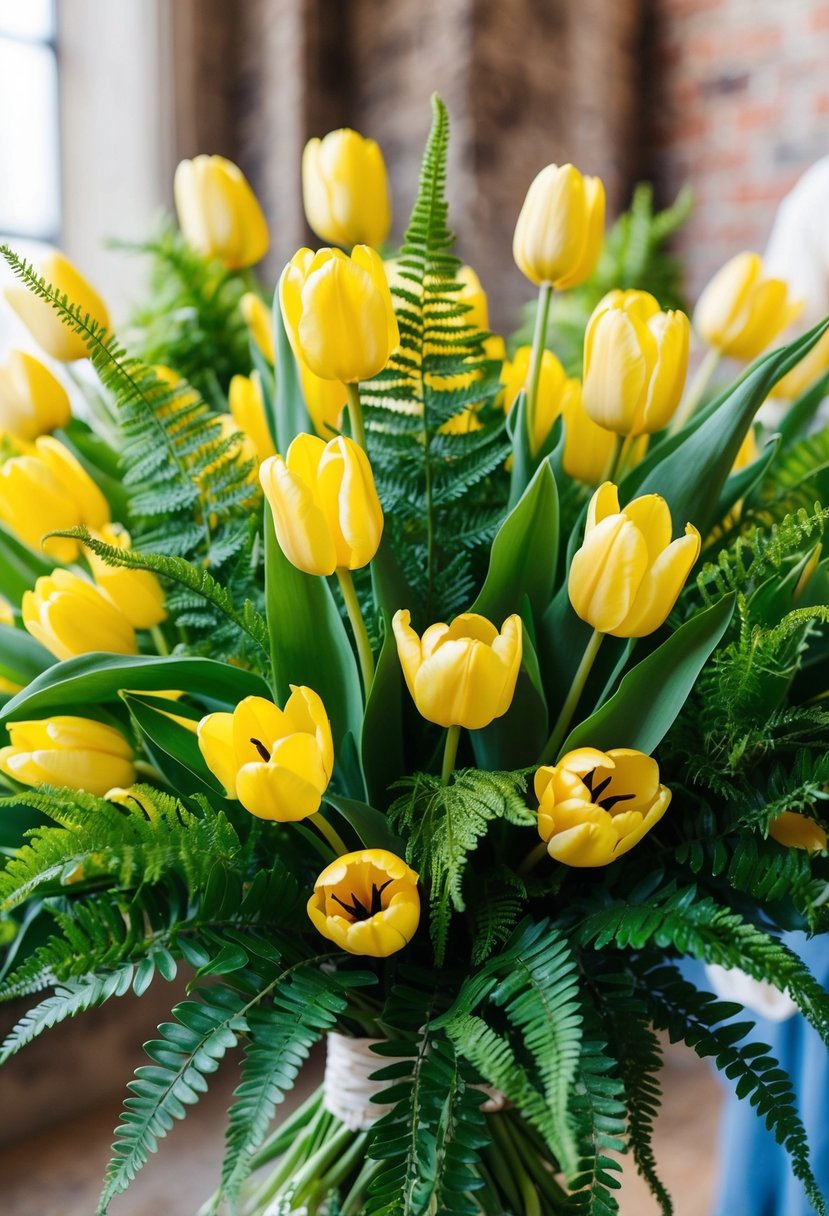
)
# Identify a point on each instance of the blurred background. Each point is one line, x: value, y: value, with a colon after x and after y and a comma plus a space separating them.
x: 100, y: 100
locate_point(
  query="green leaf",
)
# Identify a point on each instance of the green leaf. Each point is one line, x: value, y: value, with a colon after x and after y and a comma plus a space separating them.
x: 651, y: 695
x: 370, y: 825
x: 180, y: 760
x: 20, y: 566
x: 801, y: 412
x: 382, y: 738
x: 690, y: 469
x: 524, y: 553
x: 309, y: 644
x: 740, y: 485
x: 21, y: 657
x: 291, y: 416
x: 91, y: 679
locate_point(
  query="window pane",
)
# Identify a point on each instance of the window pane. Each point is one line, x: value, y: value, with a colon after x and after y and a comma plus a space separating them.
x: 27, y: 18
x: 29, y: 166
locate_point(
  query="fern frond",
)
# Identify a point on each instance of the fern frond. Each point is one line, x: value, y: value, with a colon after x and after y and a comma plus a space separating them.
x: 599, y: 1115
x: 68, y: 1000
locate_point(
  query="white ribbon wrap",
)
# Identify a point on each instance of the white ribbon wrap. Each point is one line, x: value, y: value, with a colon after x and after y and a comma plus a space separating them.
x: 348, y: 1092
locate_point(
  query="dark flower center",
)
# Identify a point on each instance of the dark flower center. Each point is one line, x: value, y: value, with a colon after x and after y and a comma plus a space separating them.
x: 263, y: 751
x: 607, y: 804
x: 357, y: 910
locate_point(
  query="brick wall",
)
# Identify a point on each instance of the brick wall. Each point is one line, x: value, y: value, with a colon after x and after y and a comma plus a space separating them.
x: 738, y: 99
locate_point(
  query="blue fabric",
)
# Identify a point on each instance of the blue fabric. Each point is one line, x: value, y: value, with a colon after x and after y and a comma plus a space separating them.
x: 755, y: 1174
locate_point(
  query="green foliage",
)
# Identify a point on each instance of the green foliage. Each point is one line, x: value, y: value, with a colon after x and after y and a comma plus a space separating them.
x: 758, y: 553
x: 188, y: 488
x: 444, y: 824
x: 434, y: 486
x: 67, y: 1000
x: 599, y: 1114
x: 191, y: 322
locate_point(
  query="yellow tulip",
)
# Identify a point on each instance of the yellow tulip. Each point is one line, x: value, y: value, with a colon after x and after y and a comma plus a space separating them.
x: 247, y: 408
x: 326, y: 512
x: 461, y: 674
x: 594, y: 806
x: 804, y: 374
x: 338, y: 312
x: 259, y: 320
x: 276, y: 762
x: 628, y: 573
x: 741, y: 312
x: 635, y: 363
x: 345, y: 189
x: 367, y: 903
x: 70, y: 616
x: 588, y: 447
x: 42, y: 321
x: 554, y: 389
x: 75, y: 752
x: 49, y: 491
x: 797, y: 831
x: 559, y: 232
x: 32, y: 401
x: 136, y: 593
x: 218, y: 213
x: 324, y: 399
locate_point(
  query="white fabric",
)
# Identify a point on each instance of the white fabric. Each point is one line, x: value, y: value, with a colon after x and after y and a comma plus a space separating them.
x: 760, y: 997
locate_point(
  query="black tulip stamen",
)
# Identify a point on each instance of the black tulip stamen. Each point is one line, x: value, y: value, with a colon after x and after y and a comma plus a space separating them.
x: 357, y: 909
x: 609, y: 803
x: 263, y: 751
x: 600, y: 789
x: 587, y: 779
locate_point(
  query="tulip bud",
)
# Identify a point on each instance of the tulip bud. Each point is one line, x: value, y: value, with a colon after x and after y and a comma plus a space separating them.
x: 635, y: 362
x: 473, y: 295
x: 70, y: 616
x: 595, y: 806
x: 740, y: 312
x: 218, y: 213
x: 462, y: 674
x: 554, y: 388
x: 559, y: 232
x: 49, y: 491
x: 32, y: 401
x: 796, y: 831
x: 247, y: 408
x: 78, y: 753
x: 44, y: 323
x: 326, y: 512
x: 276, y: 762
x: 338, y: 313
x: 259, y: 320
x: 367, y: 903
x: 136, y: 593
x: 628, y: 573
x: 588, y: 448
x: 324, y: 400
x: 345, y: 189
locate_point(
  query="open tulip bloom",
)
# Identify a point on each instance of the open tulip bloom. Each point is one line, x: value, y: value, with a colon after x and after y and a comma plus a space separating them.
x: 414, y: 699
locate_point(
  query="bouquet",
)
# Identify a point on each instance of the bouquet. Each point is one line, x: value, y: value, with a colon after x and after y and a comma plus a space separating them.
x: 404, y: 696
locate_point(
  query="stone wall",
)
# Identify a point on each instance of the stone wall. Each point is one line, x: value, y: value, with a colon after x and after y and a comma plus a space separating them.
x: 738, y: 99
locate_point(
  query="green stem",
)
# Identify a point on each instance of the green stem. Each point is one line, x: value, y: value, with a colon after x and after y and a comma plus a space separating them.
x: 159, y: 640
x: 353, y: 1202
x: 450, y: 753
x: 542, y: 312
x: 556, y: 739
x: 355, y: 414
x: 330, y: 835
x: 282, y: 1138
x: 319, y: 1161
x: 352, y: 607
x: 514, y: 1169
x: 536, y: 853
x: 695, y: 391
x: 621, y: 458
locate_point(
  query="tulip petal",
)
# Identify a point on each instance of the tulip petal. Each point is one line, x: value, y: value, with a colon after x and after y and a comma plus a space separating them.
x: 660, y: 587
x: 215, y: 736
x: 270, y: 791
x: 587, y: 844
x: 606, y: 572
x: 652, y: 517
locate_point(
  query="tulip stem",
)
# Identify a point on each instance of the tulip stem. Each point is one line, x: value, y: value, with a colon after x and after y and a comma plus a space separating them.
x: 548, y: 756
x: 331, y: 835
x: 695, y: 391
x: 542, y: 312
x: 352, y: 607
x: 159, y: 640
x: 621, y: 457
x: 355, y: 415
x: 533, y: 857
x: 450, y: 753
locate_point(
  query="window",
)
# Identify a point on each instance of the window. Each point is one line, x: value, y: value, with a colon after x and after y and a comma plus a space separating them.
x: 30, y: 211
